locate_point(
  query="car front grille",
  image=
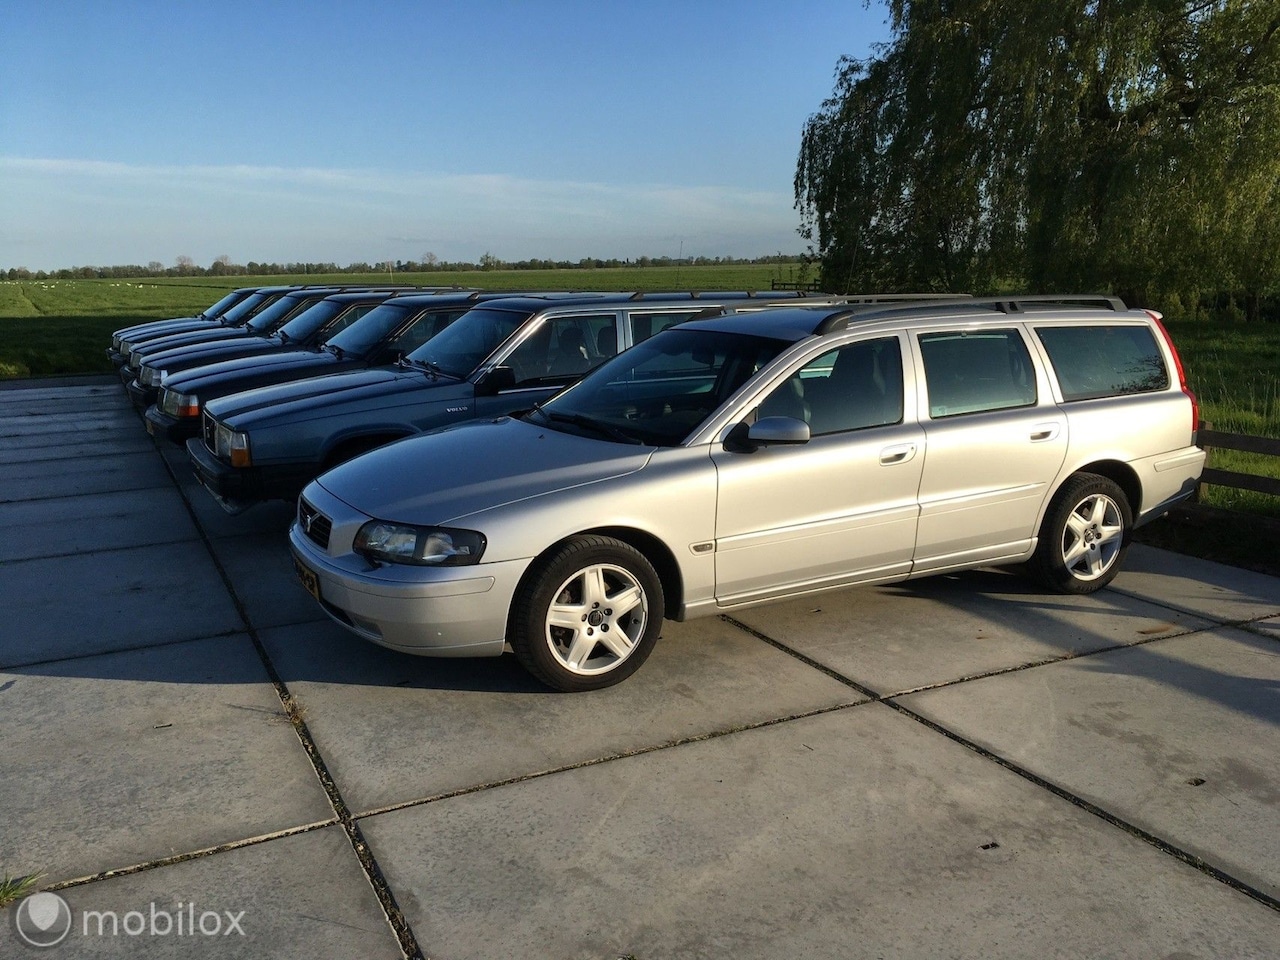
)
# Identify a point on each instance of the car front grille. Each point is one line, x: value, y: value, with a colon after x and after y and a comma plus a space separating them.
x: 209, y: 431
x: 314, y: 524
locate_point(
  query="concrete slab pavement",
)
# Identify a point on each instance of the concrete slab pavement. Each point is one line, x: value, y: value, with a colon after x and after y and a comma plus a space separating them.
x: 855, y: 834
x: 174, y: 706
x: 1179, y: 737
x: 396, y: 728
x: 130, y: 757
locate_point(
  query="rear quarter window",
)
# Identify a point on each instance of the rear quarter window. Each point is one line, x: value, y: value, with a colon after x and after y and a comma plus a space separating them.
x: 1104, y: 361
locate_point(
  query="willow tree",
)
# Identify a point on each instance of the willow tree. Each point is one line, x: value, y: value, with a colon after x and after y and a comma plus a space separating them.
x: 1130, y: 145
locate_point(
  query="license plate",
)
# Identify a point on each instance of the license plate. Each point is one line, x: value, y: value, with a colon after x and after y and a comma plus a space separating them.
x: 308, y: 578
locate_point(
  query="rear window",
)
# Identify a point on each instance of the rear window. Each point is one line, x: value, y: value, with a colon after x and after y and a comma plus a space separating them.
x: 976, y: 371
x: 1104, y: 361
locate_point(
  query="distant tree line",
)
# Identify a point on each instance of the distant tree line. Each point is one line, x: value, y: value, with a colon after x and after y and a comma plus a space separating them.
x: 184, y: 266
x: 1128, y: 146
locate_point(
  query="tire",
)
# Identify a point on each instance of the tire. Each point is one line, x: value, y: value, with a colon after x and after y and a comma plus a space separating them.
x: 586, y: 615
x: 1084, y: 536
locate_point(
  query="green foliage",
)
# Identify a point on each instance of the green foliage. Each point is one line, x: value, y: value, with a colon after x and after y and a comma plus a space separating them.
x: 1127, y: 145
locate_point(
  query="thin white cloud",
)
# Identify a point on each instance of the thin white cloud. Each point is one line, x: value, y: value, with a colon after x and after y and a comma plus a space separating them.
x: 65, y: 212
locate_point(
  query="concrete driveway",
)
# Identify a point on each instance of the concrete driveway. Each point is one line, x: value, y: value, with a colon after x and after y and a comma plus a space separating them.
x: 958, y: 767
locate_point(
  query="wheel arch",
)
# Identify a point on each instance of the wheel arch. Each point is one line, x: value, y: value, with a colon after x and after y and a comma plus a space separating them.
x: 650, y: 547
x: 1119, y: 473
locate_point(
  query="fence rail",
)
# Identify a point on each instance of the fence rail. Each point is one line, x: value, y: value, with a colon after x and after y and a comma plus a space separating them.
x: 1212, y: 439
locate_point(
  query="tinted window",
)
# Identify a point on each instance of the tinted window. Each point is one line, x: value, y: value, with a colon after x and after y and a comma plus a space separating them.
x: 562, y: 348
x: 221, y: 307
x: 375, y: 326
x: 244, y: 309
x: 423, y: 328
x: 268, y: 318
x: 659, y: 391
x: 857, y: 386
x: 310, y: 320
x: 1104, y: 361
x: 645, y: 325
x: 467, y: 341
x: 973, y: 371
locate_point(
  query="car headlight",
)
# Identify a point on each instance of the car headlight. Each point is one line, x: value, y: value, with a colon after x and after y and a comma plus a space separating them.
x: 115, y: 342
x: 232, y: 446
x: 420, y: 546
x: 150, y: 376
x: 178, y: 404
x: 135, y: 358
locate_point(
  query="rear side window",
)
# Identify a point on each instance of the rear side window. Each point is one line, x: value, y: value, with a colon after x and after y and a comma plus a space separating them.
x: 645, y: 325
x: 971, y: 371
x: 1104, y: 361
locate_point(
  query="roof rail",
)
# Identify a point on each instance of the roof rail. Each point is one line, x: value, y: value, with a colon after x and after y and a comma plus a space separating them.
x: 1007, y: 305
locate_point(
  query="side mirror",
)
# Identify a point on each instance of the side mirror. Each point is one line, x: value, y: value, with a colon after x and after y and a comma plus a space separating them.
x: 495, y: 381
x: 785, y: 430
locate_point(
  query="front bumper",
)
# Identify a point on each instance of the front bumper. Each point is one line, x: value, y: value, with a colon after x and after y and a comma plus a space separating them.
x: 430, y: 612
x: 117, y: 358
x: 142, y: 397
x: 177, y: 429
x: 247, y: 485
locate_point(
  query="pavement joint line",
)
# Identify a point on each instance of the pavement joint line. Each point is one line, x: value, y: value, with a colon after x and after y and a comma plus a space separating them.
x: 191, y: 855
x: 96, y: 550
x: 137, y: 448
x: 158, y: 645
x: 609, y: 758
x: 153, y: 486
x: 1195, y: 613
x: 1164, y: 846
x: 394, y: 915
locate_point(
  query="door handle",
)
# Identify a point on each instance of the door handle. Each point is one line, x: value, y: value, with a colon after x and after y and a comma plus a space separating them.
x: 898, y: 454
x: 1045, y: 431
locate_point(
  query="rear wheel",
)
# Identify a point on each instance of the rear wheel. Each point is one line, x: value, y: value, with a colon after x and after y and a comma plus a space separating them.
x: 1085, y: 535
x: 587, y: 615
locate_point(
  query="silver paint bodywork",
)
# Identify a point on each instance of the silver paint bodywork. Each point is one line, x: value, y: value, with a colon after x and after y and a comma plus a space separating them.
x: 730, y: 528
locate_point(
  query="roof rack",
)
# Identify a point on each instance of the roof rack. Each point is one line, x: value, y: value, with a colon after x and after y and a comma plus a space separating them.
x: 1007, y: 305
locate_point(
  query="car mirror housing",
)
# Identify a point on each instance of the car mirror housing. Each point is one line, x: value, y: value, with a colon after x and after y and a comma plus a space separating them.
x: 495, y: 381
x: 772, y: 430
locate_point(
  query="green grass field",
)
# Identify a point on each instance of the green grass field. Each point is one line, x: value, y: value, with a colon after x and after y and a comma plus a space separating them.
x: 52, y: 327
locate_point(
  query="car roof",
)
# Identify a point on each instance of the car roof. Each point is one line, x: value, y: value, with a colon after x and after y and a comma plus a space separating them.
x: 796, y: 323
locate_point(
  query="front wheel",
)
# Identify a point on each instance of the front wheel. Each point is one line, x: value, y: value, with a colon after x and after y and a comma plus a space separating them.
x: 587, y: 615
x: 1085, y: 535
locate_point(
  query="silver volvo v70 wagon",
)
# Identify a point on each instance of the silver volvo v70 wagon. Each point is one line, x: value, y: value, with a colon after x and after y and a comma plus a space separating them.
x: 747, y: 458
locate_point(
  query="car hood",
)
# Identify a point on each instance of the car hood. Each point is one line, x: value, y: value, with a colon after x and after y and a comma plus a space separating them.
x: 241, y: 408
x: 443, y: 476
x: 271, y: 357
x: 214, y: 351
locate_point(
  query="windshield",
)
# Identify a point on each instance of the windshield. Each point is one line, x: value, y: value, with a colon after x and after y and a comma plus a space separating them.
x: 371, y: 329
x: 270, y: 317
x: 310, y: 320
x: 460, y: 347
x: 219, y: 308
x: 661, y: 390
x: 244, y: 309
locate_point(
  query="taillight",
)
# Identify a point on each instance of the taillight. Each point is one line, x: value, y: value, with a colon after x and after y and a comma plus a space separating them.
x: 1182, y: 374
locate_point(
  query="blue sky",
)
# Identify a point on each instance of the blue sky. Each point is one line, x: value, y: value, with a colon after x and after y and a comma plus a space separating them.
x: 333, y: 131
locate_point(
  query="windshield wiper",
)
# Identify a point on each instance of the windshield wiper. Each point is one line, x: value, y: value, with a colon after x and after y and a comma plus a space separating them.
x: 433, y: 370
x: 590, y: 423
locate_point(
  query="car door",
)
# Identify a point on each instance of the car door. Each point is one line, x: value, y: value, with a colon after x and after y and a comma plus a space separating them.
x: 995, y: 440
x: 840, y: 508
